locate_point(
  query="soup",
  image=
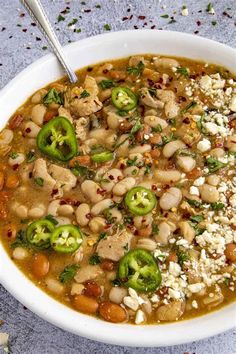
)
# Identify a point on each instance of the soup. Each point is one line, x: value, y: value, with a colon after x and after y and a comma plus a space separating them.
x: 118, y: 194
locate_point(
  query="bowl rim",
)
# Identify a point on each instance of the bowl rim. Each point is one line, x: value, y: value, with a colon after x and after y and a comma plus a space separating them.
x: 63, y: 316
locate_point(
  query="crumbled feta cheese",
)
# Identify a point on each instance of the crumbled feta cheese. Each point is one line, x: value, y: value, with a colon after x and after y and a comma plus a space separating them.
x: 211, y: 128
x: 155, y: 298
x: 204, y: 145
x: 232, y: 104
x: 184, y: 11
x: 199, y: 182
x: 205, y: 82
x: 4, y: 337
x: 174, y: 294
x: 174, y: 268
x: 232, y: 200
x: 140, y: 317
x: 195, y: 304
x: 131, y: 303
x: 194, y: 191
x: 196, y: 288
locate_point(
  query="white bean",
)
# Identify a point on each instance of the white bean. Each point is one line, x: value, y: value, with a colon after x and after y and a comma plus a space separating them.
x: 113, y: 120
x: 166, y: 63
x: 37, y: 212
x: 171, y: 198
x: 100, y: 134
x: 166, y: 95
x: 91, y: 190
x: 167, y: 176
x: 171, y: 109
x: 31, y: 129
x: 141, y: 149
x: 187, y: 231
x: 79, y: 255
x: 218, y: 152
x: 231, y: 143
x: 65, y: 210
x: 186, y: 163
x: 171, y: 148
x: 100, y: 206
x: 22, y: 211
x: 62, y: 220
x: 82, y: 213
x: 54, y: 285
x: 53, y: 207
x: 20, y: 253
x: 147, y: 244
x: 164, y: 233
x: 124, y: 186
x: 37, y: 114
x: 154, y: 121
x: 213, y: 180
x: 131, y: 171
x: 18, y: 160
x: 141, y: 222
x: 209, y: 193
x: 6, y: 136
x: 117, y: 294
x: 115, y: 215
x: 97, y: 224
x: 110, y: 178
x: 37, y: 97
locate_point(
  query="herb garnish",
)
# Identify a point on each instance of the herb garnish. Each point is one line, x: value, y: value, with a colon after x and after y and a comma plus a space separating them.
x: 182, y: 71
x: 53, y: 96
x: 94, y: 259
x: 136, y: 70
x: 84, y: 94
x: 189, y: 106
x: 51, y: 218
x: 13, y: 155
x: 39, y: 181
x: 30, y: 156
x: 20, y: 240
x: 107, y: 27
x: 68, y: 273
x: 217, y: 206
x: 214, y: 164
x: 105, y: 84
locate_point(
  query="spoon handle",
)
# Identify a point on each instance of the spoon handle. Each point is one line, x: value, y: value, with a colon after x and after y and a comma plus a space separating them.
x: 37, y: 13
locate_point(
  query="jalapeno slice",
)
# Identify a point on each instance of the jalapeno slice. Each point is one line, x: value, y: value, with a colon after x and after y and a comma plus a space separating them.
x: 139, y: 270
x: 123, y: 98
x: 102, y: 157
x: 66, y: 239
x: 140, y: 200
x: 57, y: 139
x: 38, y: 233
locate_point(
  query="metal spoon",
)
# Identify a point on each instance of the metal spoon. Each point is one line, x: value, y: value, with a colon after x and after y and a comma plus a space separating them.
x: 37, y: 13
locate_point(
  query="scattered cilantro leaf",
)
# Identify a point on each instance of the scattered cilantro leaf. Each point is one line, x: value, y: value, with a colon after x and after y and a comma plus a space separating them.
x: 60, y: 18
x: 182, y: 71
x: 30, y: 156
x: 209, y: 7
x: 165, y: 16
x: 189, y: 106
x: 73, y: 22
x: 13, y: 155
x: 107, y: 27
x: 84, y: 94
x: 136, y: 127
x: 102, y: 236
x: 217, y: 206
x: 39, y: 181
x: 214, y: 164
x: 53, y: 96
x: 136, y: 70
x: 68, y: 273
x: 132, y: 162
x: 182, y: 257
x: 197, y: 218
x: 20, y: 240
x: 105, y: 84
x: 155, y: 229
x: 94, y: 259
x: 194, y: 203
x: 157, y: 129
x: 51, y: 218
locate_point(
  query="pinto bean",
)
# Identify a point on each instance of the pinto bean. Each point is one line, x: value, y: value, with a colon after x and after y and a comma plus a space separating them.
x: 195, y: 173
x: 117, y: 294
x: 50, y: 115
x: 40, y: 265
x: 92, y: 190
x: 167, y: 176
x: 209, y: 193
x: 155, y: 153
x: 230, y: 252
x: 15, y: 121
x: 82, y: 214
x: 171, y: 198
x: 107, y: 265
x: 155, y: 139
x: 124, y: 186
x: 85, y: 304
x: 145, y: 232
x: 171, y: 147
x: 112, y: 312
x: 91, y: 288
x: 80, y: 160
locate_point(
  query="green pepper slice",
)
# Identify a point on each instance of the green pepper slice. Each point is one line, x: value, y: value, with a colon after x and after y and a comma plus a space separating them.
x: 57, y: 139
x: 102, y: 157
x: 123, y: 98
x: 140, y: 200
x: 138, y: 270
x: 38, y: 233
x: 66, y: 239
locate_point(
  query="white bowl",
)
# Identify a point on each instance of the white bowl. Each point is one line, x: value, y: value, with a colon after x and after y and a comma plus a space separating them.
x: 86, y: 52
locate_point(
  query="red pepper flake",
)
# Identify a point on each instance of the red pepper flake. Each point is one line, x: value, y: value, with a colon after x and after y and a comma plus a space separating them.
x: 22, y: 14
x: 125, y: 18
x: 111, y: 177
x: 154, y: 187
x: 30, y: 174
x: 33, y: 24
x: 101, y: 191
x: 198, y: 23
x: 27, y: 130
x: 24, y: 30
x: 88, y: 216
x: 3, y: 29
x: 141, y: 17
x: 119, y: 178
x: 131, y: 16
x: 54, y: 192
x: 105, y: 71
x: 135, y: 27
x: 153, y: 27
x: 128, y: 10
x: 87, y: 11
x: 226, y: 14
x: 122, y: 166
x: 15, y: 167
x: 145, y: 24
x: 196, y: 32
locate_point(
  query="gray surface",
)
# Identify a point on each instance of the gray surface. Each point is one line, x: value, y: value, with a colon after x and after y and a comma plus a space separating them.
x: 28, y: 333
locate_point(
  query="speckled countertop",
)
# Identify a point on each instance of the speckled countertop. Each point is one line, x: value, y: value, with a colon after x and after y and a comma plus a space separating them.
x: 20, y: 45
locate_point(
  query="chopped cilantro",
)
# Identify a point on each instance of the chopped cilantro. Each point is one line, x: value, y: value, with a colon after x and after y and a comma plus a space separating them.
x: 44, y: 47
x: 165, y: 16
x: 126, y: 247
x: 116, y: 282
x: 78, y: 30
x: 39, y: 181
x: 157, y: 129
x: 60, y: 18
x: 132, y: 162
x: 172, y: 21
x: 214, y: 23
x: 182, y: 71
x: 217, y: 206
x: 194, y: 203
x: 155, y: 229
x: 209, y: 7
x: 189, y: 106
x: 136, y: 70
x: 51, y: 218
x: 30, y: 156
x: 98, y: 6
x: 214, y: 164
x: 102, y: 236
x: 94, y: 259
x: 107, y: 27
x: 136, y: 127
x: 121, y: 113
x: 20, y: 240
x: 84, y: 94
x: 197, y: 218
x: 167, y: 139
x: 182, y: 257
x: 53, y: 96
x: 172, y: 122
x: 152, y: 91
x: 13, y: 155
x: 68, y: 273
x: 73, y: 22
x: 105, y: 84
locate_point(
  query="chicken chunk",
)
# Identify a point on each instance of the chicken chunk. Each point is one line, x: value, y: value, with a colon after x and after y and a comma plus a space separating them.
x: 88, y: 272
x: 65, y: 178
x: 85, y: 104
x: 114, y: 247
x: 170, y: 312
x: 40, y: 171
x: 82, y: 128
